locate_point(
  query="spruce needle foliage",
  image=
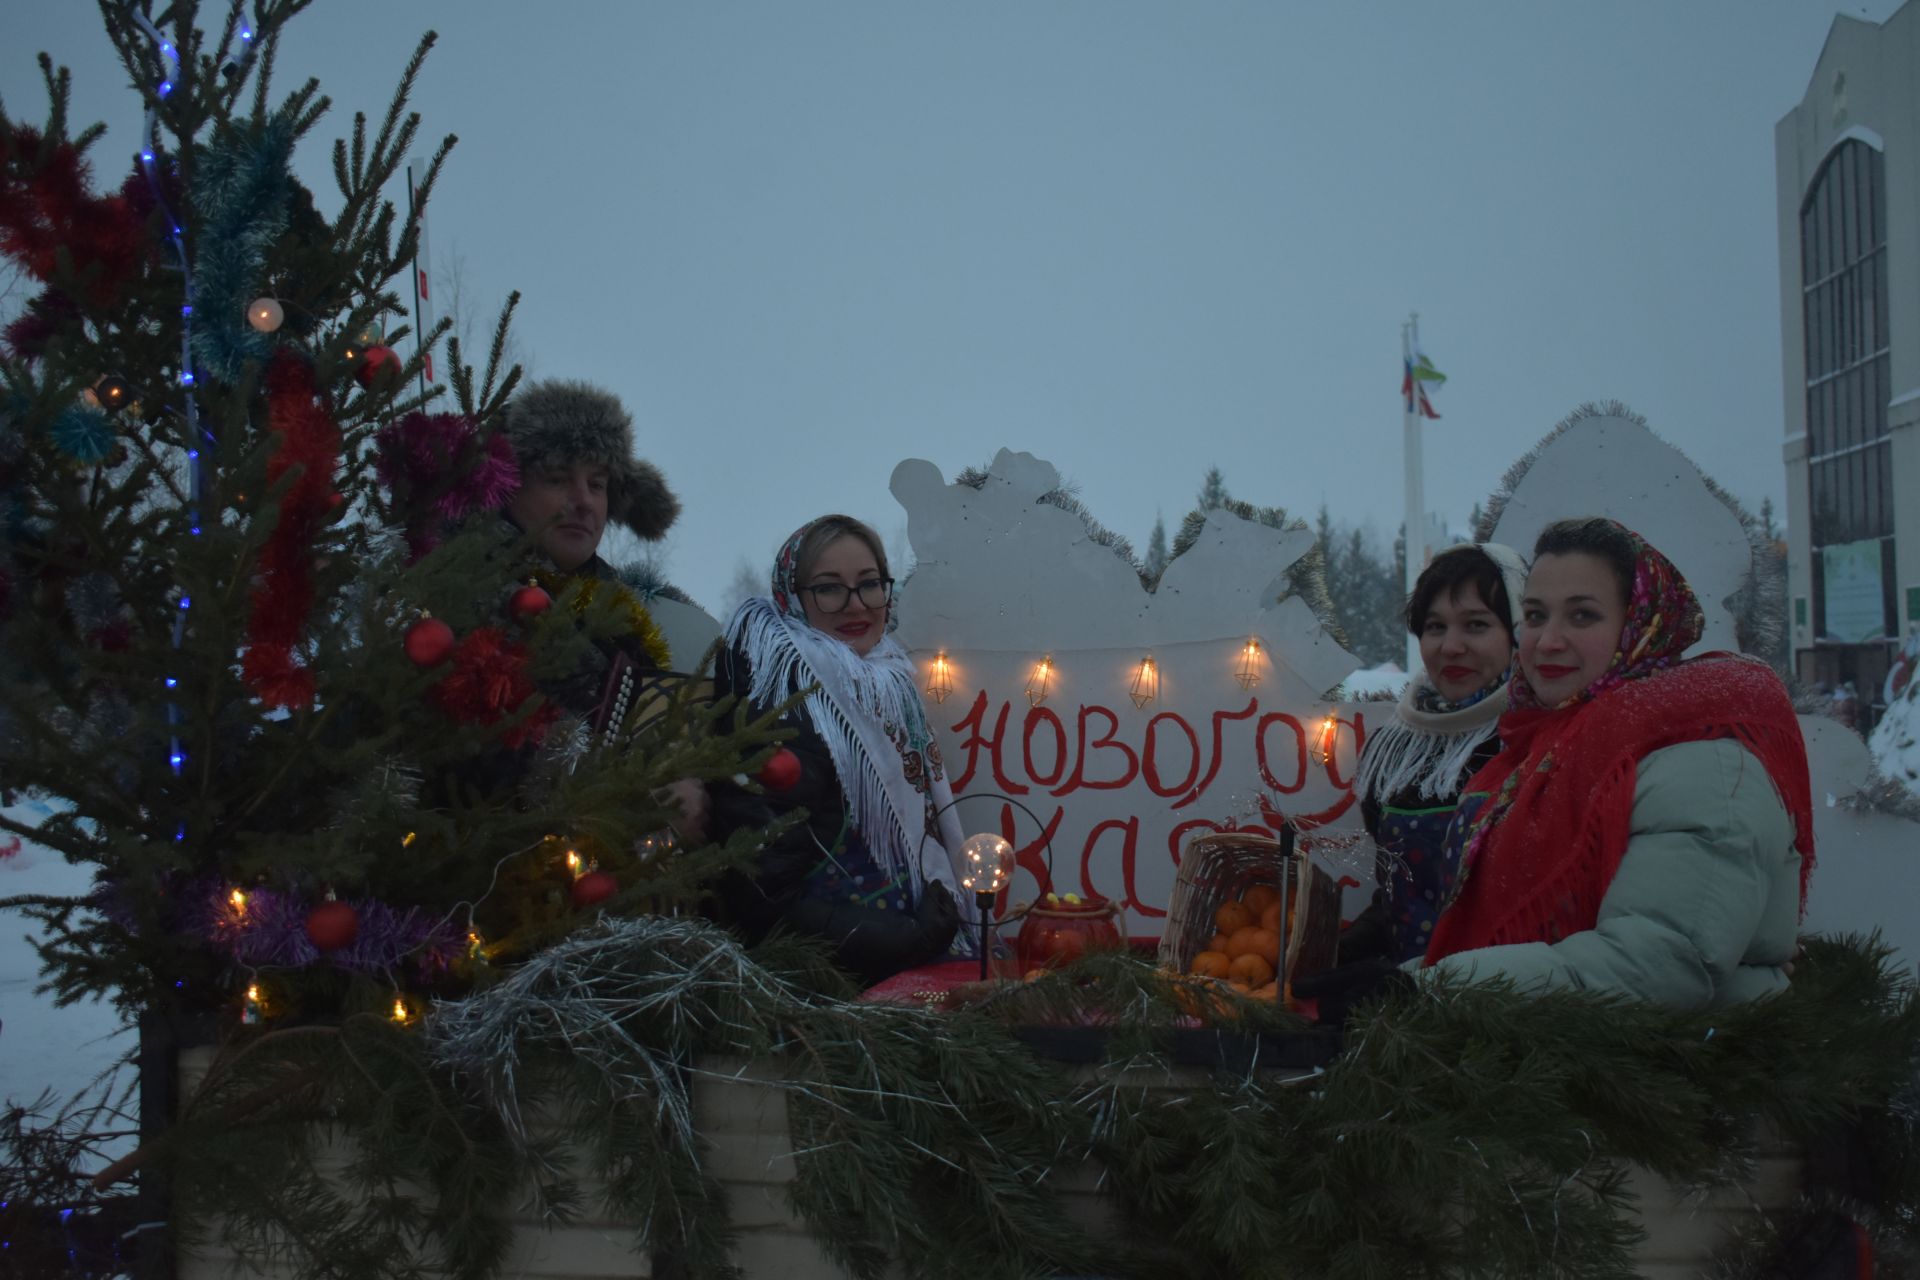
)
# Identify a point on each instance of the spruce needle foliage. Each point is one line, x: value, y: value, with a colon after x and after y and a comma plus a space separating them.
x: 1463, y: 1132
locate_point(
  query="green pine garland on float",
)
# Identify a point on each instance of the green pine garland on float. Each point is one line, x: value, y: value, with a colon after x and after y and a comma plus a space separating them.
x: 1463, y: 1132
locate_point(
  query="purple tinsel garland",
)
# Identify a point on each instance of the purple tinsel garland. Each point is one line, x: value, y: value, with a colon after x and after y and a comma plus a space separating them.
x: 416, y: 456
x: 271, y: 931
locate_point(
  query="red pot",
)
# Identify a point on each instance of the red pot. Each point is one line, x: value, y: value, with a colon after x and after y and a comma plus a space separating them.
x: 1057, y: 932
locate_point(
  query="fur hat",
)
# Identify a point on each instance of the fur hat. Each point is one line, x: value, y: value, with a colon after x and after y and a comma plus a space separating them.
x: 564, y: 422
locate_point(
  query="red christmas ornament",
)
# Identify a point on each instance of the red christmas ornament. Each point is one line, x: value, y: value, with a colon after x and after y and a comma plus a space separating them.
x: 593, y: 887
x: 528, y: 603
x: 376, y: 363
x: 429, y: 642
x: 781, y: 772
x: 333, y: 925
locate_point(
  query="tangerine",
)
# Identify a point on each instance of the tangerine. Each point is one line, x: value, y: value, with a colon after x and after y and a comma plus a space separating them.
x: 1219, y: 943
x: 1270, y: 916
x: 1210, y: 964
x: 1259, y: 898
x: 1231, y: 916
x: 1254, y: 970
x: 1242, y: 941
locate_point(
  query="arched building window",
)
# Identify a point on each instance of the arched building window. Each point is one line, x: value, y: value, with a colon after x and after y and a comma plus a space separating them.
x: 1843, y: 269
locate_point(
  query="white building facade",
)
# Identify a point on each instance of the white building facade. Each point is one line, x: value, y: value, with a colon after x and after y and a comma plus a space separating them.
x: 1847, y: 164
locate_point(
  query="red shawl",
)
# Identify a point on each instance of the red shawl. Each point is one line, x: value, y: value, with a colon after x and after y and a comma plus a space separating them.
x: 1561, y: 792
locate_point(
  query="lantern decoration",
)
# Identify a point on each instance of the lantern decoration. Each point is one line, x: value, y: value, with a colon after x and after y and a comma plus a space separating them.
x: 1146, y: 682
x: 1329, y: 736
x: 986, y: 866
x: 266, y: 314
x: 1247, y: 673
x: 1040, y: 683
x: 940, y: 677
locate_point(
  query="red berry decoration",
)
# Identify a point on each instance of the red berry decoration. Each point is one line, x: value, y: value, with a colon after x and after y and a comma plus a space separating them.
x: 781, y: 772
x: 593, y: 887
x: 528, y: 603
x: 333, y: 925
x: 375, y: 364
x: 429, y: 642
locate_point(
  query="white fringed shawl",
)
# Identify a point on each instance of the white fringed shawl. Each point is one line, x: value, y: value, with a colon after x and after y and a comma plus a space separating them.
x: 1429, y: 750
x: 868, y: 712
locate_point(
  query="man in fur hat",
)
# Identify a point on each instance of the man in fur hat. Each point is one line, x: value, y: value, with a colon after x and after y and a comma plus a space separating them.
x: 574, y: 444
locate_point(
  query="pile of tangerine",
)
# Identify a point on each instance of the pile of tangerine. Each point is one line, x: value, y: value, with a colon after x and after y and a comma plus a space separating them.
x: 1245, y: 950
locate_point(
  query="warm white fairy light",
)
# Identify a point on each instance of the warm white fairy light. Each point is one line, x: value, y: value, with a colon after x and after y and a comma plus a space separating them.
x: 939, y: 677
x: 1040, y: 683
x: 1146, y: 682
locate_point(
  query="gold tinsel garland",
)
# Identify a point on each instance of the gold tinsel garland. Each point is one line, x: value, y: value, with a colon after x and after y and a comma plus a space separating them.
x: 640, y: 623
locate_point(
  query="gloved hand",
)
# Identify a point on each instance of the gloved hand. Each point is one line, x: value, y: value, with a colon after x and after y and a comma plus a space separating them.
x: 1339, y: 991
x: 939, y: 918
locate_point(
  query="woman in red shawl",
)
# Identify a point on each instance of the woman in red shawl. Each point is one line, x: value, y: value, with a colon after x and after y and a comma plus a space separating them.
x: 1646, y: 828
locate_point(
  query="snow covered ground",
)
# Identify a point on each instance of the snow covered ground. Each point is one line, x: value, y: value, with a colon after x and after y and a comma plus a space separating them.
x: 42, y: 1047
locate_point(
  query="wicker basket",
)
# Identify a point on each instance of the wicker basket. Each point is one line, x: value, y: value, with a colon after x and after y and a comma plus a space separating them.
x: 1217, y: 867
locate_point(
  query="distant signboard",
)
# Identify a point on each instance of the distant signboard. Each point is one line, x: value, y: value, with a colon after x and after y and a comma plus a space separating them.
x: 1856, y: 607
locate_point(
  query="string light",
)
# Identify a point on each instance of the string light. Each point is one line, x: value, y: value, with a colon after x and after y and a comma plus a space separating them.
x: 406, y: 841
x: 1146, y: 682
x: 573, y: 864
x: 1040, y: 683
x: 400, y: 1011
x: 940, y: 677
x: 1248, y: 672
x: 239, y: 900
x: 1329, y: 730
x: 252, y: 1007
x: 196, y: 471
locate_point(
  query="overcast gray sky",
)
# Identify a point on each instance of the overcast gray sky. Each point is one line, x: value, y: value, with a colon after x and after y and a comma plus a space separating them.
x: 806, y: 240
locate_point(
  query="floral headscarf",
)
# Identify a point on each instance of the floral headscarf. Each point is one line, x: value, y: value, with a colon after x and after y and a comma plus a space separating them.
x: 1664, y: 620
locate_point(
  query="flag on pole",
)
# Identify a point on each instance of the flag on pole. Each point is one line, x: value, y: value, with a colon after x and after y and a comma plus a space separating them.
x: 1419, y: 378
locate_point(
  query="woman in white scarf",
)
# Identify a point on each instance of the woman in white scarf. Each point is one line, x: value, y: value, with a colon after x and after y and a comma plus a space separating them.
x: 1465, y: 610
x: 870, y: 869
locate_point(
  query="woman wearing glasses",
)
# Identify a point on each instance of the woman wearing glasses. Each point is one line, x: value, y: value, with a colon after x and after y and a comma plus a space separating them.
x: 869, y: 868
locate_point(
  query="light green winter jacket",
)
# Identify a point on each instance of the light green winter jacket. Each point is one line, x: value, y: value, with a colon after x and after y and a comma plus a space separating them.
x: 1705, y: 907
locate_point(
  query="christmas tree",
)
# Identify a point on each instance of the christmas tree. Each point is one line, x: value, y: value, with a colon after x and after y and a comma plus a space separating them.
x: 333, y: 734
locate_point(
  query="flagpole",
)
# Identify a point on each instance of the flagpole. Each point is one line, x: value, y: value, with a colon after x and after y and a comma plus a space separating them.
x: 1416, y: 535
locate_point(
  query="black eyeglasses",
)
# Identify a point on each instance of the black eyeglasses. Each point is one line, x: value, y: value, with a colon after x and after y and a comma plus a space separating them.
x: 834, y: 597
